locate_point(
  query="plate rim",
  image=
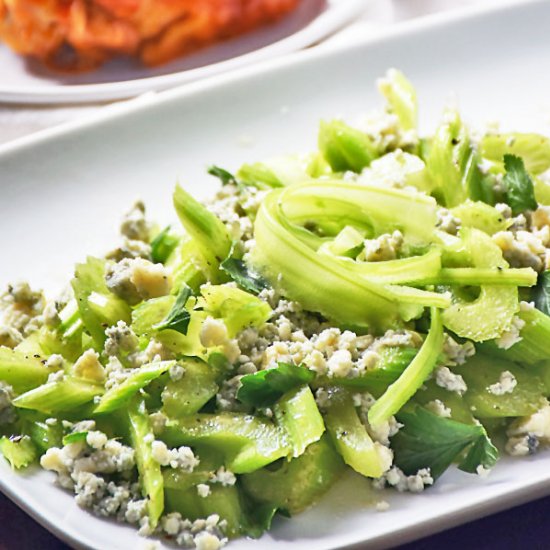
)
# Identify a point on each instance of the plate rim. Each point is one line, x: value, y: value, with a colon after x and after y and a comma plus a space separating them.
x: 335, y: 16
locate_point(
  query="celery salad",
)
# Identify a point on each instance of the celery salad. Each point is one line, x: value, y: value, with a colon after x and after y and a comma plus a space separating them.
x: 379, y: 305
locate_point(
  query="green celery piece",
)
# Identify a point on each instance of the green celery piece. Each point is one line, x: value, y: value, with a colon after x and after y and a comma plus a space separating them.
x: 541, y: 294
x: 413, y: 376
x: 247, y: 442
x: 98, y: 307
x: 534, y: 345
x: 237, y: 308
x: 58, y: 397
x: 19, y: 451
x: 430, y: 441
x: 150, y: 475
x: 69, y: 345
x: 401, y: 97
x: 452, y: 163
x: 542, y: 191
x: 466, y: 276
x: 152, y: 312
x: 297, y: 413
x: 276, y: 172
x: 492, y: 312
x: 181, y: 480
x: 318, y: 281
x: 345, y: 242
x: 23, y: 372
x: 481, y: 371
x: 189, y: 394
x: 344, y: 147
x: 350, y: 436
x: 391, y: 365
x: 534, y: 149
x: 299, y: 483
x: 203, y: 227
x: 119, y: 395
x: 263, y: 388
x: 163, y: 245
x: 43, y: 435
x: 480, y: 216
x: 259, y: 175
x: 520, y: 191
x: 189, y: 266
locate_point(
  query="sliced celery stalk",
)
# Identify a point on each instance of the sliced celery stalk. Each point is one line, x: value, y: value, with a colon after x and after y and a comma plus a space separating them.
x: 203, y: 227
x: 401, y: 97
x: 247, y: 442
x: 189, y: 266
x: 344, y: 147
x: 480, y: 216
x: 19, y: 451
x: 21, y: 371
x: 350, y: 436
x: 297, y: 413
x: 534, y: 345
x: 534, y: 149
x: 413, y: 376
x: 299, y: 483
x: 43, y: 435
x: 276, y: 172
x: 56, y: 397
x: 237, y: 308
x: 474, y: 276
x: 98, y: 307
x: 481, y: 371
x: 119, y: 395
x: 491, y: 313
x: 260, y: 175
x: 197, y: 386
x: 150, y: 475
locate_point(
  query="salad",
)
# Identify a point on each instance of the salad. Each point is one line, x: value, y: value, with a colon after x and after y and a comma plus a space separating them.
x: 381, y: 305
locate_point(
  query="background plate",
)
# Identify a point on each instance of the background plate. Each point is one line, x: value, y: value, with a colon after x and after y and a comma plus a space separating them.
x: 27, y: 81
x: 63, y: 191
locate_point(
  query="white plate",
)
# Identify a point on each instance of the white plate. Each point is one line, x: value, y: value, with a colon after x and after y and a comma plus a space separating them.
x: 24, y: 81
x: 62, y: 193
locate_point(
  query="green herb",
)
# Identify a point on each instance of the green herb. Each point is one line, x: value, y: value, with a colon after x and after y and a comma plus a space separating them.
x: 519, y: 185
x: 263, y: 388
x: 246, y: 278
x: 74, y: 437
x: 223, y: 175
x: 542, y: 293
x: 430, y: 441
x: 178, y: 317
x: 163, y: 245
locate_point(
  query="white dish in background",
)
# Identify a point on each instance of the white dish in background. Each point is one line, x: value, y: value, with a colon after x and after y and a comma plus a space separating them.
x: 63, y: 191
x: 27, y: 81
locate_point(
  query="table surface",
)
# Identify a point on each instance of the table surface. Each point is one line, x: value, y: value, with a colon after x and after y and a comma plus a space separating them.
x: 522, y: 526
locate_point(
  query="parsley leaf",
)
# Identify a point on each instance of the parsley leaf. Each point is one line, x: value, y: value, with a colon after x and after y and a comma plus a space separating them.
x: 264, y: 387
x: 223, y: 175
x: 246, y: 278
x: 430, y: 441
x: 178, y: 317
x: 163, y: 245
x: 520, y: 192
x: 541, y: 293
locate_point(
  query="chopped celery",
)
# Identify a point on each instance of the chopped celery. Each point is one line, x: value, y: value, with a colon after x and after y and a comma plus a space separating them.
x: 297, y: 413
x: 260, y: 175
x: 44, y: 435
x: 480, y: 216
x: 203, y: 227
x: 344, y: 147
x: 348, y: 239
x: 189, y: 266
x: 351, y: 438
x: 196, y: 387
x: 98, y: 307
x: 150, y: 475
x: 491, y: 313
x: 247, y: 442
x: 276, y: 172
x: 299, y: 483
x: 19, y: 451
x: 482, y: 371
x: 401, y: 97
x: 534, y: 149
x: 466, y: 276
x: 21, y: 371
x: 119, y: 395
x: 413, y: 376
x: 237, y: 308
x: 59, y: 396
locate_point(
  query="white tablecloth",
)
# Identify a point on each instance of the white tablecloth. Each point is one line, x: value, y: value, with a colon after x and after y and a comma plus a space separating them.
x: 20, y: 120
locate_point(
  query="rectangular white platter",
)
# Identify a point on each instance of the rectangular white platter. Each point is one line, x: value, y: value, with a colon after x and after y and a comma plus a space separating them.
x: 62, y: 192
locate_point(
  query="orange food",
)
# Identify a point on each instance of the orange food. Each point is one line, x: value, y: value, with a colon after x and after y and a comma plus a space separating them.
x: 82, y: 34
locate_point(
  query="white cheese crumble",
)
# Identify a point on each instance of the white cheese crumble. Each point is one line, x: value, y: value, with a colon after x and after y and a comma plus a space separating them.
x: 120, y: 338
x: 527, y: 433
x: 203, y: 490
x: 506, y: 384
x: 223, y: 476
x: 382, y: 506
x: 511, y: 336
x: 182, y: 457
x: 88, y: 366
x: 450, y: 381
x: 438, y: 407
x: 396, y: 478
